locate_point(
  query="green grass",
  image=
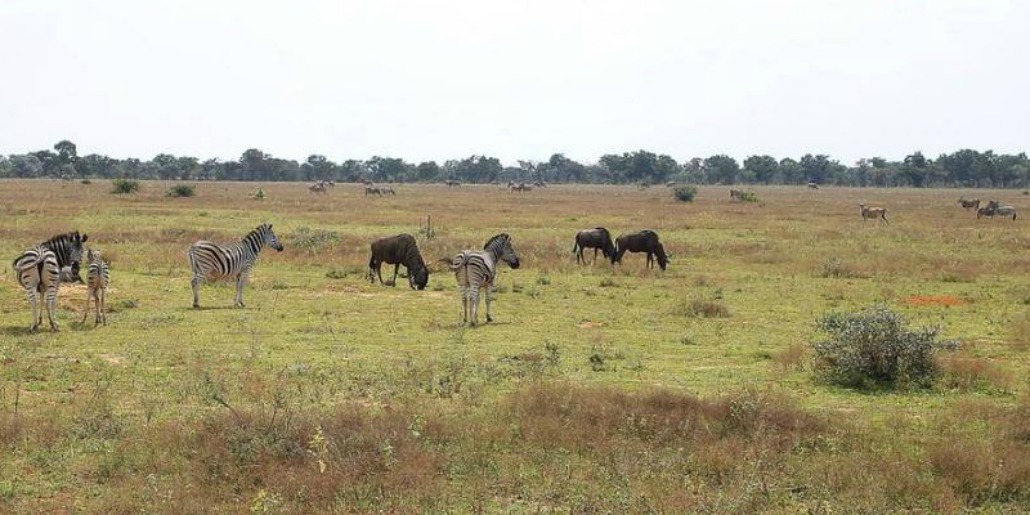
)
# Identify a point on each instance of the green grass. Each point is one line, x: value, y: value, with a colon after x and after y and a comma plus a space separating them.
x: 595, y: 389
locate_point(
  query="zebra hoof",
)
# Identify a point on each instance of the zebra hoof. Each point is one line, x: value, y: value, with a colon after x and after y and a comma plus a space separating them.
x: 489, y: 319
x: 34, y: 329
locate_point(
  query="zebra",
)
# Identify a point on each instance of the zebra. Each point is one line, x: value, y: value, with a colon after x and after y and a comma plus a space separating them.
x: 211, y: 262
x: 371, y: 190
x: 318, y: 187
x: 476, y: 269
x: 97, y: 274
x: 39, y: 272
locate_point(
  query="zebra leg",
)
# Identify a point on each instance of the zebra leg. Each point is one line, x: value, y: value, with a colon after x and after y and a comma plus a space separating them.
x: 89, y: 300
x: 51, y: 305
x: 102, y: 307
x: 464, y: 305
x: 37, y: 317
x: 474, y: 304
x: 195, y: 284
x: 240, y: 278
x: 489, y: 290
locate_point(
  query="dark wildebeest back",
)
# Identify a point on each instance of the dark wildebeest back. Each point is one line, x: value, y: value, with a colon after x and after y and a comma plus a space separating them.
x: 399, y: 250
x: 643, y: 241
x: 596, y: 238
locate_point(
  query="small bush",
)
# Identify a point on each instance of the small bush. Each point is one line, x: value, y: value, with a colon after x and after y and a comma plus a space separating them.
x: 180, y: 190
x: 259, y: 194
x: 86, y: 181
x: 748, y: 196
x: 314, y: 239
x: 684, y: 193
x: 124, y: 186
x: 836, y: 268
x: 874, y: 349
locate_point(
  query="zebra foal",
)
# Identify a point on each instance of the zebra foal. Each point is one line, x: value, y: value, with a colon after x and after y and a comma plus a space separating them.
x: 212, y: 262
x: 477, y: 269
x: 39, y: 271
x: 97, y: 275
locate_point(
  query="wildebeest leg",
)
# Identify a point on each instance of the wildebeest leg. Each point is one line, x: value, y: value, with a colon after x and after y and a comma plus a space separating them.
x: 396, y: 266
x: 595, y: 257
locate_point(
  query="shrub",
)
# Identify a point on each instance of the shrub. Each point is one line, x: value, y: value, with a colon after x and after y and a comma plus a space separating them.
x: 123, y: 186
x: 180, y: 190
x: 314, y: 239
x: 873, y: 348
x: 685, y: 193
x: 748, y: 196
x: 259, y: 194
x: 834, y: 267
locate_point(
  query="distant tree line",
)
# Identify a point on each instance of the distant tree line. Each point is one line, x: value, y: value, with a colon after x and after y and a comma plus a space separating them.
x: 962, y: 168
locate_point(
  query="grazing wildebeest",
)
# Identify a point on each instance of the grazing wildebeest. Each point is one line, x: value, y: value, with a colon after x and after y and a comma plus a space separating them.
x: 477, y: 269
x: 398, y: 250
x: 994, y: 208
x: 521, y: 187
x: 873, y: 212
x: 597, y: 238
x: 969, y: 204
x: 370, y: 190
x: 386, y: 190
x: 451, y: 183
x: 813, y: 185
x: 643, y: 241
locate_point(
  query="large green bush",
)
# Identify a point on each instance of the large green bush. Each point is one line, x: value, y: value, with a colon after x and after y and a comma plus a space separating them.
x: 181, y: 190
x: 685, y: 193
x: 122, y: 186
x: 874, y: 349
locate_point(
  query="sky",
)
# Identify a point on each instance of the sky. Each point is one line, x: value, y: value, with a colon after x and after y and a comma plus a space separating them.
x: 517, y: 80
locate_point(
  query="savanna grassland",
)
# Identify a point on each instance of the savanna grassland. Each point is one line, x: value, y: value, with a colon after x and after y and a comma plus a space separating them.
x: 594, y: 390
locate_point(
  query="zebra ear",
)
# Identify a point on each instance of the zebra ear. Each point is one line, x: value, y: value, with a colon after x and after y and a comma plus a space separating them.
x: 84, y: 238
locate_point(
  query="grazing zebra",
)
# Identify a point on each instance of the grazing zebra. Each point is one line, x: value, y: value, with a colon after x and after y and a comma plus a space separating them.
x: 386, y: 190
x: 97, y: 275
x: 451, y: 183
x: 873, y: 213
x: 318, y: 187
x: 813, y: 185
x: 211, y: 262
x: 994, y: 208
x: 475, y: 269
x: 39, y: 272
x: 370, y: 190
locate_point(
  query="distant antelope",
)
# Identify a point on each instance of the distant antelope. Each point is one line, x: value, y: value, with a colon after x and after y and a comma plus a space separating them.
x: 973, y: 204
x: 873, y: 213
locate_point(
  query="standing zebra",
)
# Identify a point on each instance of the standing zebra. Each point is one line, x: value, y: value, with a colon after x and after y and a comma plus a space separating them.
x: 39, y: 271
x: 476, y: 269
x: 211, y: 262
x: 96, y: 283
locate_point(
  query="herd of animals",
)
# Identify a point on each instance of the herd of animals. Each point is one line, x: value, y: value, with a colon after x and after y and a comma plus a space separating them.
x: 41, y: 269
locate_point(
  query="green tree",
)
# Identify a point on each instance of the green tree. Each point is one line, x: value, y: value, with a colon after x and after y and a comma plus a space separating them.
x: 764, y: 168
x: 427, y: 171
x: 721, y: 169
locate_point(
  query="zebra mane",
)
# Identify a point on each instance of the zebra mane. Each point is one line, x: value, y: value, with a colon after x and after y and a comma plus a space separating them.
x: 502, y: 236
x: 63, y: 238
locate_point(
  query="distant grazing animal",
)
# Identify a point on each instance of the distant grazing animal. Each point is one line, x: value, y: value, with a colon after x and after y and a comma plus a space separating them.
x: 371, y: 190
x: 969, y: 204
x: 97, y: 275
x: 386, y: 190
x: 597, y: 238
x: 477, y: 269
x: 398, y: 250
x: 212, y: 262
x: 873, y: 213
x: 39, y: 271
x: 994, y: 208
x: 813, y: 186
x: 521, y: 187
x: 451, y: 183
x: 643, y: 241
x: 317, y: 187
x: 540, y: 184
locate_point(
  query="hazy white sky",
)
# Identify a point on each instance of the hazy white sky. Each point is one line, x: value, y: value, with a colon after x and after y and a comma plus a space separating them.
x: 445, y: 79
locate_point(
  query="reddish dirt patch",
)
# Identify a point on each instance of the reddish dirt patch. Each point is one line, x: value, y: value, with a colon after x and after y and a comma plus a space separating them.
x: 935, y: 300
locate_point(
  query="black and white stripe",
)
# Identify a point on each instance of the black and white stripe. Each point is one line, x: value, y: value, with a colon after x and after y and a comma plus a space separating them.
x: 213, y: 262
x: 476, y: 269
x: 39, y: 271
x: 97, y: 275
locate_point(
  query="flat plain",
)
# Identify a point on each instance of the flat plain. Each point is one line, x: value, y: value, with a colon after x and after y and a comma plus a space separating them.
x: 595, y: 389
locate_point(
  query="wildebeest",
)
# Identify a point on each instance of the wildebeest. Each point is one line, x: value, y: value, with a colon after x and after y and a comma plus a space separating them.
x: 994, y: 208
x: 597, y: 238
x: 973, y: 204
x: 643, y: 241
x: 813, y: 185
x: 370, y: 190
x: 451, y: 183
x: 520, y: 187
x: 386, y: 190
x: 398, y: 250
x: 873, y: 213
